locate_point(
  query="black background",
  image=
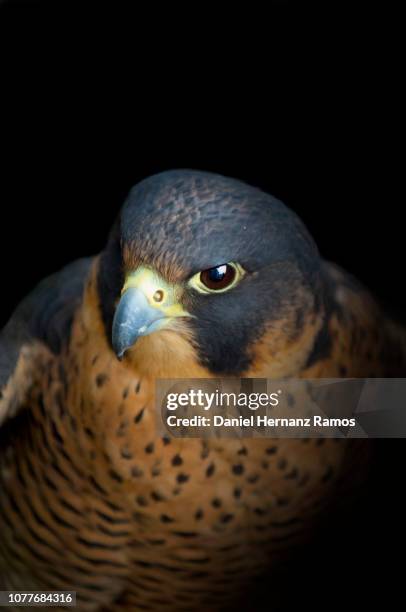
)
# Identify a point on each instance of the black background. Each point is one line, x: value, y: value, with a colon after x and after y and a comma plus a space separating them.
x: 302, y: 100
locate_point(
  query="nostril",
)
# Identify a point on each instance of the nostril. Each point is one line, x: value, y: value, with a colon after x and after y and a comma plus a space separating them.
x: 158, y: 296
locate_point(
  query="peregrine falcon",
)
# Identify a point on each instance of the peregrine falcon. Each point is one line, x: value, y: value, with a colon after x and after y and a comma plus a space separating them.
x: 202, y: 276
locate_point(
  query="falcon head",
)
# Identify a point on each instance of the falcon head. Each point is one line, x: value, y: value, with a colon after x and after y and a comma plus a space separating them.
x: 210, y: 266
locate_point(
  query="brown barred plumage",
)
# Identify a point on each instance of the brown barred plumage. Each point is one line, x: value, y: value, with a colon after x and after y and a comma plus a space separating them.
x: 93, y: 500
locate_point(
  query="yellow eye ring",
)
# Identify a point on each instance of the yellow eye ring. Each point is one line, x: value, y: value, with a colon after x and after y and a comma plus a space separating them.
x: 218, y: 279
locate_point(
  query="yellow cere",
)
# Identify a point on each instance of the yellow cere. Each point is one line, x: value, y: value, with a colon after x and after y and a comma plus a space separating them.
x: 160, y: 294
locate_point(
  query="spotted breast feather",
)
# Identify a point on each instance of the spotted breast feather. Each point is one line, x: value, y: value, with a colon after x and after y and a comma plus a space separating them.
x: 202, y: 276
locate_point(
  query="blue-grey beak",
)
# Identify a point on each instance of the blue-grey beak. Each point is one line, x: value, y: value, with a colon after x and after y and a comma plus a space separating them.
x: 134, y: 317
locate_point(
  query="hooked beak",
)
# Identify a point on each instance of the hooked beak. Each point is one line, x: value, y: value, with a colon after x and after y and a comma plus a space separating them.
x: 134, y: 317
x: 146, y: 305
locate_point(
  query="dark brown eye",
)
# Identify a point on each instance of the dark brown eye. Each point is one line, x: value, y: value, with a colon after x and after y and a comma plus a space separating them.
x: 219, y: 277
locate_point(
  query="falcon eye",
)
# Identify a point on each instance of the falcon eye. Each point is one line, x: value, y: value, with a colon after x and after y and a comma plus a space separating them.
x: 218, y: 279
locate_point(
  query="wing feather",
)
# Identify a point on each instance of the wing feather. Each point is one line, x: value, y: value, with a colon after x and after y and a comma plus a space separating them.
x: 41, y: 322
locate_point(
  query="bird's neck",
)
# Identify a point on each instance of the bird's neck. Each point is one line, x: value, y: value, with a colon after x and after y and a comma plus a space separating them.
x: 113, y: 402
x: 103, y: 383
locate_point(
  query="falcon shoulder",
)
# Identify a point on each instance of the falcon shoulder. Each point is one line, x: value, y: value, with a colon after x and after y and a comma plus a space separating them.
x: 376, y: 339
x: 39, y: 327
